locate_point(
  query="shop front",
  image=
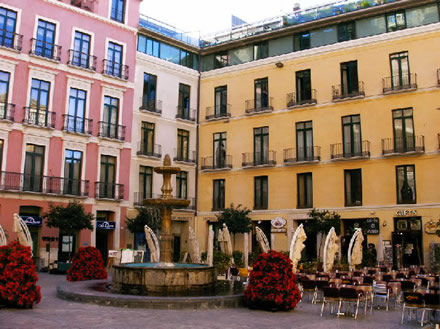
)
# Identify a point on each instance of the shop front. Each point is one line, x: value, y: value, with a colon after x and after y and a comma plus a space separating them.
x: 105, y: 227
x: 407, y: 240
x: 31, y: 215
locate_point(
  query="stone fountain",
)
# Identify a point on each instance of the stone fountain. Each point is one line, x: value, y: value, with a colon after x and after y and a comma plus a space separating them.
x: 165, y: 277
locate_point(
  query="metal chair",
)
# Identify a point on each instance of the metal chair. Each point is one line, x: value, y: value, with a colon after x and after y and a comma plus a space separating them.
x: 412, y: 301
x: 330, y: 297
x: 381, y: 291
x: 309, y: 287
x: 432, y: 303
x: 352, y: 296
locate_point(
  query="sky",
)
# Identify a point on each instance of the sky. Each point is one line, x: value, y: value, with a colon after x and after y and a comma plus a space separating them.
x: 201, y: 17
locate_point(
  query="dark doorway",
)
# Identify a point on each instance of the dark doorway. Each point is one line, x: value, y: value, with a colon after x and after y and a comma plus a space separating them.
x: 140, y: 243
x: 66, y: 247
x: 102, y: 243
x: 407, y: 242
x: 176, y: 249
x: 310, y: 251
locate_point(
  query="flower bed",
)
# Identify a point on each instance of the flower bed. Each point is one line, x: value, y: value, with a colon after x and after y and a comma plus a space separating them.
x: 87, y: 264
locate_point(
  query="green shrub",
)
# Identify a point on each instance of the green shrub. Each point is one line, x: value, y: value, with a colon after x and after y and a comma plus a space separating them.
x: 221, y: 261
x: 238, y: 258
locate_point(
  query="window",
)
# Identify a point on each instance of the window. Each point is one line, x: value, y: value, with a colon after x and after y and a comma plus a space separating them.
x: 221, y: 60
x: 261, y: 50
x: 184, y: 101
x: 33, y: 168
x: 182, y: 185
x: 81, y: 50
x: 145, y: 182
x: 301, y: 41
x: 221, y: 101
x: 77, y: 110
x: 353, y: 187
x: 4, y: 95
x: 261, y: 93
x: 219, y: 150
x: 305, y: 190
x: 346, y: 31
x: 45, y: 43
x: 400, y: 72
x: 72, y: 172
x: 109, y: 125
x: 403, y: 126
x: 114, y: 60
x: 148, y: 46
x: 304, y: 141
x: 396, y: 21
x: 118, y: 9
x: 147, y: 139
x: 261, y: 145
x: 2, y: 142
x: 303, y: 87
x: 406, y: 184
x: 182, y: 145
x: 349, y: 79
x: 39, y: 103
x: 107, y: 184
x: 261, y: 193
x: 218, y: 200
x: 149, y: 92
x: 8, y: 22
x: 351, y: 130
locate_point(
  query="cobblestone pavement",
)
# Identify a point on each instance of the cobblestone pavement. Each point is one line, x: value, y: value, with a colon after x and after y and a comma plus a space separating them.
x: 55, y: 313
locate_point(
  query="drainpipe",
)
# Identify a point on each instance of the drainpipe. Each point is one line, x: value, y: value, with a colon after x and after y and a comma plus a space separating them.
x: 196, y: 201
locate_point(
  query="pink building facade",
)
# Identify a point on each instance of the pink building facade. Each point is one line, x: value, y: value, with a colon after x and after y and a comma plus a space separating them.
x: 67, y: 73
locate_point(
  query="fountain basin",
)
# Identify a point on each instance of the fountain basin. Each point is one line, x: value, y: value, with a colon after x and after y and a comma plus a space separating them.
x: 163, y: 279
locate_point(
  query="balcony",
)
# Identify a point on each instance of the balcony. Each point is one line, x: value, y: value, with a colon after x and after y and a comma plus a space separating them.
x: 77, y: 125
x: 45, y: 49
x: 115, y: 69
x: 267, y: 159
x: 403, y: 146
x: 7, y: 112
x: 189, y: 157
x: 341, y: 92
x: 82, y: 60
x: 218, y: 112
x: 106, y: 190
x: 293, y: 101
x: 11, y: 40
x: 19, y: 182
x: 154, y: 151
x: 218, y: 163
x: 302, y: 155
x: 255, y: 107
x: 400, y: 83
x: 153, y: 106
x: 35, y: 116
x: 345, y: 151
x: 139, y: 197
x: 112, y: 131
x: 185, y: 113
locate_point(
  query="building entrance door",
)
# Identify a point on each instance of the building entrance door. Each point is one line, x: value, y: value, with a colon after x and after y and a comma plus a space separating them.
x: 102, y: 243
x: 407, y: 242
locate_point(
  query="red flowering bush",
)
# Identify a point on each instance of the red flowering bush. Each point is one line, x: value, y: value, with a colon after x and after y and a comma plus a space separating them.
x: 272, y: 284
x: 87, y: 264
x: 18, y: 276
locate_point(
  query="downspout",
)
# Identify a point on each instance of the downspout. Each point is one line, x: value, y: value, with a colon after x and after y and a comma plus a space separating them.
x: 196, y: 199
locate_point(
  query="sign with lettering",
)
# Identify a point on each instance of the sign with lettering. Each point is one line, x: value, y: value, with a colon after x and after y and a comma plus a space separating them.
x: 33, y: 220
x: 406, y: 212
x: 372, y: 225
x: 105, y: 225
x: 278, y: 223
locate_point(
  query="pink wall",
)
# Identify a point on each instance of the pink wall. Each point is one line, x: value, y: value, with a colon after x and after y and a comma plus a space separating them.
x: 15, y: 154
x: 55, y: 155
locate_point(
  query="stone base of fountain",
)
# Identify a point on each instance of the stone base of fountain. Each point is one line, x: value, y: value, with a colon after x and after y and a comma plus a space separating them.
x: 163, y: 279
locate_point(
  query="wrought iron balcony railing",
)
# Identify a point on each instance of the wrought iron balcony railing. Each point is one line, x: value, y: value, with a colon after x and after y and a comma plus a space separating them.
x: 153, y: 105
x: 293, y: 100
x: 110, y: 130
x: 341, y: 92
x: 45, y: 49
x: 39, y: 117
x: 307, y: 154
x: 185, y: 113
x: 7, y: 111
x: 106, y: 190
x: 349, y: 150
x: 83, y: 60
x: 223, y: 162
x: 400, y: 83
x: 154, y: 151
x: 13, y: 181
x: 181, y: 156
x: 115, y: 69
x: 259, y: 159
x: 11, y: 40
x: 410, y: 144
x: 77, y: 124
x: 254, y: 106
x: 139, y: 197
x: 218, y: 111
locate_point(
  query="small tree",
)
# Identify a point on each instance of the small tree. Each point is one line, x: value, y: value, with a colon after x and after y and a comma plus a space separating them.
x: 145, y: 216
x: 236, y: 219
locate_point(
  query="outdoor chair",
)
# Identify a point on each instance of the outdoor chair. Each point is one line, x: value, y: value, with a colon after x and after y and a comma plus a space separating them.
x: 381, y: 291
x: 368, y: 280
x: 320, y: 284
x: 412, y: 302
x: 352, y: 296
x: 408, y: 286
x: 330, y: 297
x: 309, y: 288
x: 432, y: 304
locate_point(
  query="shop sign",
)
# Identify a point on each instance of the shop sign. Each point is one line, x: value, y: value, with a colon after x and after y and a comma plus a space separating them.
x: 406, y: 212
x: 33, y: 220
x: 372, y: 225
x: 431, y: 227
x: 105, y: 225
x: 278, y: 223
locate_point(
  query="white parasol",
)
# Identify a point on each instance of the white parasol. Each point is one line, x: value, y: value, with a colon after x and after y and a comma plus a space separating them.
x: 3, y: 241
x: 153, y: 244
x: 262, y: 240
x: 227, y: 240
x: 210, y: 257
x: 355, y: 249
x: 24, y: 236
x: 296, y: 246
x: 330, y: 248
